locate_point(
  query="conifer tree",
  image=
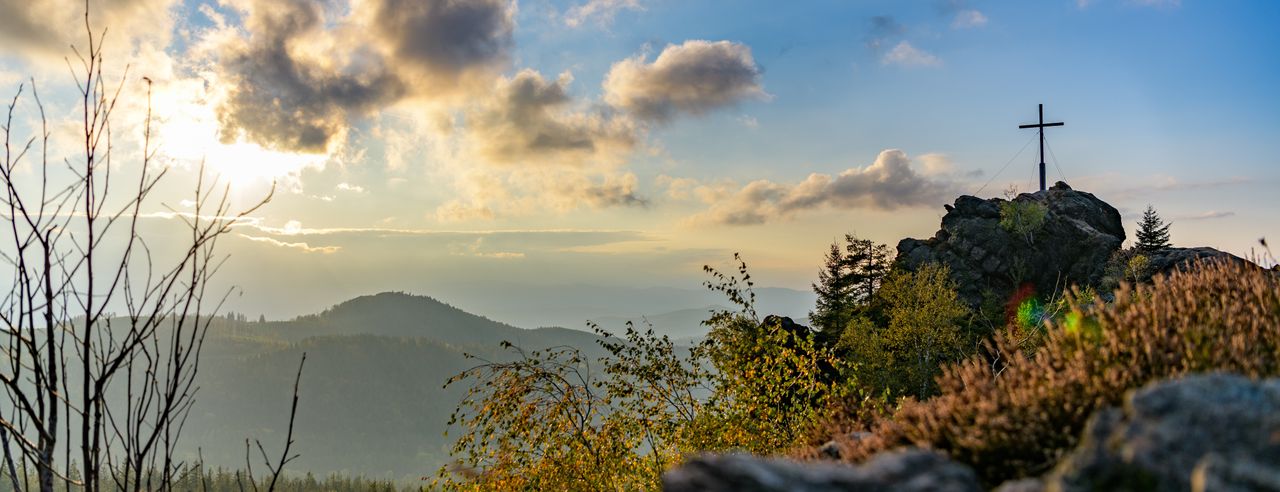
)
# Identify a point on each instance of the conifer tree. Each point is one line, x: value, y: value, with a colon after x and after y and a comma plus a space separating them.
x: 1153, y: 232
x: 831, y: 311
x: 848, y: 280
x: 868, y: 263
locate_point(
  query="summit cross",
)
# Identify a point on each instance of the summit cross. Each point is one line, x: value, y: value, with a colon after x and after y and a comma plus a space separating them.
x: 1041, y: 126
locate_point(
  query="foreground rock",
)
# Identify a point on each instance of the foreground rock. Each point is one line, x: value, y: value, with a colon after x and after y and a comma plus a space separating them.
x: 908, y: 471
x: 1079, y: 234
x: 1212, y: 432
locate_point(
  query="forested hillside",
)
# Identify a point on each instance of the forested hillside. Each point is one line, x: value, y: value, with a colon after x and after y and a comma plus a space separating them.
x: 372, y: 400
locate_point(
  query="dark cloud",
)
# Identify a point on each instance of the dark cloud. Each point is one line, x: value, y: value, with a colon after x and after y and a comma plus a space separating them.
x: 887, y: 184
x: 613, y: 193
x: 287, y: 102
x: 24, y: 25
x: 532, y: 119
x: 442, y: 41
x: 297, y: 79
x: 691, y: 78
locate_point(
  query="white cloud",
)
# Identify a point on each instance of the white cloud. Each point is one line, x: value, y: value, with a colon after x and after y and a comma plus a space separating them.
x: 344, y: 186
x: 970, y: 18
x: 477, y: 249
x: 601, y: 11
x: 1212, y: 214
x: 936, y: 164
x: 302, y: 246
x: 907, y: 55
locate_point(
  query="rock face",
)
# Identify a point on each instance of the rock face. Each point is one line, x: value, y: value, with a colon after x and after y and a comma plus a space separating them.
x: 907, y: 471
x: 1079, y: 234
x: 1170, y: 259
x: 1207, y: 432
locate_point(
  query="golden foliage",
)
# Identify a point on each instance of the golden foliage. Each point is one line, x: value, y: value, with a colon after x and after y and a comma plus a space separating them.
x: 1012, y: 411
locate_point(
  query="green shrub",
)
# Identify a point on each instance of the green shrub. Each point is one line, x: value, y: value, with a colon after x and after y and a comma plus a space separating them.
x: 1011, y: 413
x: 923, y: 331
x: 1022, y: 218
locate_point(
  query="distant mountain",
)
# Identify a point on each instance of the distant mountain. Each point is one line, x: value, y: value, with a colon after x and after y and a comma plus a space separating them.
x: 571, y: 306
x: 372, y: 400
x: 397, y: 314
x: 684, y: 324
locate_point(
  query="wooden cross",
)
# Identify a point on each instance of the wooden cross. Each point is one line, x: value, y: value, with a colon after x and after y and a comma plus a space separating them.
x: 1041, y: 127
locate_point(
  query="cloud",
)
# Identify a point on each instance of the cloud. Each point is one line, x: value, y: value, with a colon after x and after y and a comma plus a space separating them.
x: 691, y: 78
x: 601, y: 11
x: 530, y: 119
x: 297, y: 75
x: 477, y: 249
x: 882, y: 29
x: 907, y: 55
x: 1212, y: 214
x: 888, y: 183
x: 610, y: 192
x: 44, y: 30
x: 457, y: 211
x: 936, y: 164
x: 441, y: 44
x: 302, y: 246
x: 969, y: 18
x: 344, y: 186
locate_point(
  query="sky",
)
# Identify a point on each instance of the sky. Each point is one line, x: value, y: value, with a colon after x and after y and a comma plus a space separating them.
x: 483, y: 148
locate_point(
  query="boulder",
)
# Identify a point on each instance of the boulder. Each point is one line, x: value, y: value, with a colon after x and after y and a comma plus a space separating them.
x: 1169, y: 259
x: 1203, y: 432
x: 1079, y: 234
x: 906, y: 471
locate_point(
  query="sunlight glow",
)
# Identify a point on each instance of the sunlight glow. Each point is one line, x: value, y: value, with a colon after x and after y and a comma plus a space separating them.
x: 187, y: 127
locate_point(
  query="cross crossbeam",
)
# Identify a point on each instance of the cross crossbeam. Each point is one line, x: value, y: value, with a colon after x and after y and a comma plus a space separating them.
x: 1040, y: 127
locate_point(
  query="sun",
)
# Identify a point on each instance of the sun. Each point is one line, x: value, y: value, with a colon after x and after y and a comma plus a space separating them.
x: 187, y: 136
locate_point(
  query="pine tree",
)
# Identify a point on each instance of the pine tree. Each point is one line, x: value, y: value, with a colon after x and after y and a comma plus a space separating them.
x: 868, y: 263
x: 831, y: 311
x: 848, y: 280
x: 1153, y: 232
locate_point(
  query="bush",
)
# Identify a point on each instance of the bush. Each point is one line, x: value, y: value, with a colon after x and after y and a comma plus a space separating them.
x: 547, y: 421
x: 923, y: 331
x: 1022, y: 218
x: 1011, y: 413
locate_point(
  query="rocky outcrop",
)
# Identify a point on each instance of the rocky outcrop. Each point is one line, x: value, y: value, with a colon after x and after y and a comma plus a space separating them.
x: 1208, y: 432
x: 1169, y: 259
x: 907, y: 471
x: 1079, y: 234
x: 1205, y: 432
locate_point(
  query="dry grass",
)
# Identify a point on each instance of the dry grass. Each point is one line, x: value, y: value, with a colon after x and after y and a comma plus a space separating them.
x: 1012, y: 414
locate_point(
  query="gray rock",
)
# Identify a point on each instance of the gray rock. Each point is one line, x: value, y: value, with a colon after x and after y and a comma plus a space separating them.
x: 1204, y: 432
x: 834, y: 449
x: 1024, y: 485
x: 907, y: 471
x: 1170, y: 259
x: 1080, y: 233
